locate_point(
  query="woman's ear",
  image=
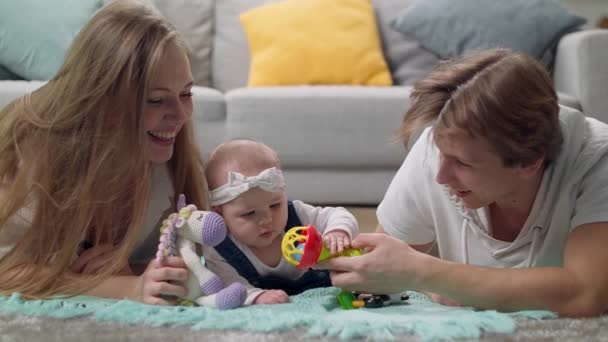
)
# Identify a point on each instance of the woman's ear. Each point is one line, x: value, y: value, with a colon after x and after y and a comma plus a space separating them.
x: 217, y: 209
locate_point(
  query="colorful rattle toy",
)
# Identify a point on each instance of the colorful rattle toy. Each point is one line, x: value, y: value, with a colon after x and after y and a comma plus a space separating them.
x: 303, y: 247
x: 180, y: 234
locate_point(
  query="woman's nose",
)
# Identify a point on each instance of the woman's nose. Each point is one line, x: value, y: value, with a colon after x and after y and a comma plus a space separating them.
x: 179, y: 112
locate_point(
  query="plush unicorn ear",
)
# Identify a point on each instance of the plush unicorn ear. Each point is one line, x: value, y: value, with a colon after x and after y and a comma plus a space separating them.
x: 181, y: 202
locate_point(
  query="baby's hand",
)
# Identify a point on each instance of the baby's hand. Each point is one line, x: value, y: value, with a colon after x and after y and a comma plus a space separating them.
x: 272, y: 297
x: 336, y: 240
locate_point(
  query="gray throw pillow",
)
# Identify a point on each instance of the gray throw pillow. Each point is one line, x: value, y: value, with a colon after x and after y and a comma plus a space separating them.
x: 407, y: 59
x: 451, y: 27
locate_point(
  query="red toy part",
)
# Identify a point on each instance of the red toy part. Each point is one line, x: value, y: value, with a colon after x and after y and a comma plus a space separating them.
x: 312, y: 248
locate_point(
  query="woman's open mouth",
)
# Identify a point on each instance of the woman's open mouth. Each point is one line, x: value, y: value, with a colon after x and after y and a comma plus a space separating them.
x: 164, y: 138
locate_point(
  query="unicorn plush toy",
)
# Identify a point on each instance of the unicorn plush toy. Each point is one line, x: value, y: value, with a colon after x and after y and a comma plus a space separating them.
x: 181, y: 232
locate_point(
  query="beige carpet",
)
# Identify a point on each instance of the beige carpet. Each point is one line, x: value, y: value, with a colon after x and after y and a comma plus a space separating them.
x: 21, y: 328
x: 366, y: 216
x: 32, y: 329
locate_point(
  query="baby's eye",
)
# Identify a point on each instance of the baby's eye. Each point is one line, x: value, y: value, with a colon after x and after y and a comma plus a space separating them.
x: 249, y: 213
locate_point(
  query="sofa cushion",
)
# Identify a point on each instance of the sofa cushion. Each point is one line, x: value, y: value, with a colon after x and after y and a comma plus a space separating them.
x: 10, y: 90
x: 35, y: 35
x: 321, y: 126
x: 194, y: 20
x: 449, y: 28
x: 230, y: 56
x: 407, y: 59
x: 6, y: 74
x: 208, y: 118
x: 296, y: 42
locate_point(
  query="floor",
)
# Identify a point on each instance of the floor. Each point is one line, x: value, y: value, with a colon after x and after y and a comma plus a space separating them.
x: 366, y: 216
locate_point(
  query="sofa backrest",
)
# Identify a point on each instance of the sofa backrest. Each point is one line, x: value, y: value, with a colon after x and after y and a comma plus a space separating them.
x: 194, y: 20
x: 407, y: 60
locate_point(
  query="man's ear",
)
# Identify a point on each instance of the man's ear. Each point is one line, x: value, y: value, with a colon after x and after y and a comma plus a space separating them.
x: 534, y: 167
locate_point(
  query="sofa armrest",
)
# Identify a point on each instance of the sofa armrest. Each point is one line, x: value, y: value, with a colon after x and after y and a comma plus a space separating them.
x: 581, y: 70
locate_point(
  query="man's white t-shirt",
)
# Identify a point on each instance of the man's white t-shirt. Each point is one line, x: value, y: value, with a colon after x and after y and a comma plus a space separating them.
x: 574, y: 191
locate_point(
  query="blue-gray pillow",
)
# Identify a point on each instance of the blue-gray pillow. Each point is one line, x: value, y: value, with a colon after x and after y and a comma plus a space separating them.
x: 6, y: 74
x: 35, y: 34
x: 450, y: 27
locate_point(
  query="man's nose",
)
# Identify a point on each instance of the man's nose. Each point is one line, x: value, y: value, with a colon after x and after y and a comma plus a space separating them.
x: 444, y: 174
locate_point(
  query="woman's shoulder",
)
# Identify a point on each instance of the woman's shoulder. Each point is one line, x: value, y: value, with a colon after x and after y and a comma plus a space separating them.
x: 15, y: 227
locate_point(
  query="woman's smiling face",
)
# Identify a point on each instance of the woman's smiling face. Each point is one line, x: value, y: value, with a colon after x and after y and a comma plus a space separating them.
x: 168, y: 103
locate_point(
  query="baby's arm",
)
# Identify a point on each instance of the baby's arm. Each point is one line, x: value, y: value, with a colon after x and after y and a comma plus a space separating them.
x: 216, y: 263
x: 336, y: 224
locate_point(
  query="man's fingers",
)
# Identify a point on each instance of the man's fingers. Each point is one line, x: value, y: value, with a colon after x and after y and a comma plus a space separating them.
x: 346, y: 280
x: 367, y: 240
x: 340, y: 263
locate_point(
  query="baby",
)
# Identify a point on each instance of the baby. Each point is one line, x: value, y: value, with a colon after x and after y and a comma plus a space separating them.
x: 248, y: 190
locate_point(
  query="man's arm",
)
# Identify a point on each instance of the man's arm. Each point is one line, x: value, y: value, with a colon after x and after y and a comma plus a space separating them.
x: 579, y: 289
x: 426, y: 248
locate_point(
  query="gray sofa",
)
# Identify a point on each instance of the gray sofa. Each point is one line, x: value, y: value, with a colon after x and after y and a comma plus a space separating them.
x: 336, y: 141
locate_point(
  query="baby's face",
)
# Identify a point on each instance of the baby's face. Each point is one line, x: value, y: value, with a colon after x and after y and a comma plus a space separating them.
x: 257, y: 217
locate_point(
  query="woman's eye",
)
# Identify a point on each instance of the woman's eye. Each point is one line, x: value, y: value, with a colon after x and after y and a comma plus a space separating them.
x: 276, y: 205
x: 155, y: 101
x: 249, y: 213
x: 189, y: 94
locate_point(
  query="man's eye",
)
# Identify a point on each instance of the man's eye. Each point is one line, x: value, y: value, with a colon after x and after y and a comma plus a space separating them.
x: 462, y: 163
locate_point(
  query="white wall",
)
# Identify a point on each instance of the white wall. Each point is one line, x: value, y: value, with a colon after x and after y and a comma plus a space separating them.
x: 590, y: 9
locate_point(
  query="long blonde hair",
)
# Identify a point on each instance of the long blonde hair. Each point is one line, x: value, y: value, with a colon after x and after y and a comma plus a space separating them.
x: 504, y: 97
x: 73, y: 152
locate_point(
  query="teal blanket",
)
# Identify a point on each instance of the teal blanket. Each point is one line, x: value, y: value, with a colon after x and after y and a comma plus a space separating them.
x: 316, y: 311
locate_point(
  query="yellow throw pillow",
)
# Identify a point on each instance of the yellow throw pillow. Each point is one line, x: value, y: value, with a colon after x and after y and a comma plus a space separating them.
x: 314, y: 42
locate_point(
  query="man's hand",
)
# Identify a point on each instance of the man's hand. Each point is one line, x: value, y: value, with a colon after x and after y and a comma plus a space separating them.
x: 388, y: 266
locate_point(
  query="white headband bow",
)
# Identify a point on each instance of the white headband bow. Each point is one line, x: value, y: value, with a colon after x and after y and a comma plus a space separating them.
x: 269, y: 180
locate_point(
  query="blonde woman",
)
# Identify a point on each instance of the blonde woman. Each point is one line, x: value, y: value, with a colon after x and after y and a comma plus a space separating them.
x: 511, y: 188
x: 95, y: 158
